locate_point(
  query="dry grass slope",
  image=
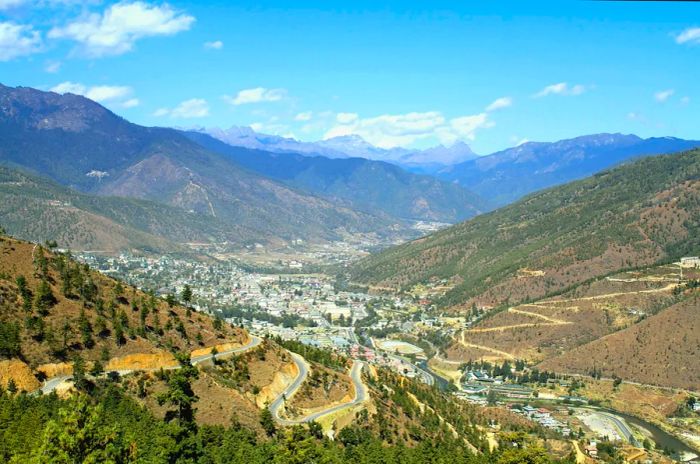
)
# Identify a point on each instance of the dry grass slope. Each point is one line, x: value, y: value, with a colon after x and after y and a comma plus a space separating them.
x: 661, y: 350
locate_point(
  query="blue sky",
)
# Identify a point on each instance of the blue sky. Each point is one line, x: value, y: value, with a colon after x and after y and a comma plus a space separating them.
x: 404, y: 73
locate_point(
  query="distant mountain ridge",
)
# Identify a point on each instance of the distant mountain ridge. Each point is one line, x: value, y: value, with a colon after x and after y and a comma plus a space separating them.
x: 499, y: 178
x: 507, y: 175
x: 81, y: 144
x: 373, y: 186
x: 346, y: 146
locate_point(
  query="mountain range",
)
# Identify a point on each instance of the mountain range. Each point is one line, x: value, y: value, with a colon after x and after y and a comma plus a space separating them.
x: 81, y: 145
x: 222, y: 192
x: 498, y: 178
x: 346, y: 146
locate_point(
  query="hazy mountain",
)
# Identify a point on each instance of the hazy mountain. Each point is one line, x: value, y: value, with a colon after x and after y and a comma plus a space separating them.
x: 633, y: 215
x: 453, y: 154
x: 356, y: 146
x: 347, y: 146
x: 436, y: 159
x: 242, y: 136
x: 79, y: 143
x: 372, y: 186
x: 510, y: 174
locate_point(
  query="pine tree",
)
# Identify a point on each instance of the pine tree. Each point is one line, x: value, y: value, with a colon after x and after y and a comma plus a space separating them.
x: 77, y: 436
x: 10, y: 340
x: 24, y: 291
x: 12, y: 386
x: 44, y: 299
x: 85, y: 330
x: 268, y: 422
x: 180, y: 393
x: 97, y: 368
x: 79, y: 379
x: 186, y: 294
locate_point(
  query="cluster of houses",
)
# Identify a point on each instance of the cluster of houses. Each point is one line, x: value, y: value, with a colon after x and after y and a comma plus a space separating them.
x: 543, y: 417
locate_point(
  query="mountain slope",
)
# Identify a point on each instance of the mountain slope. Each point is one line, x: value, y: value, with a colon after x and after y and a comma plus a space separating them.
x: 633, y: 215
x: 661, y: 350
x: 122, y: 320
x: 34, y: 208
x: 373, y: 186
x: 80, y: 144
x: 507, y: 175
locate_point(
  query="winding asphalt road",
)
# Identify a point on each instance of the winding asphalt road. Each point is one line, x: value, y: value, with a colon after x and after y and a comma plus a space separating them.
x: 254, y: 341
x: 51, y: 384
x: 355, y: 375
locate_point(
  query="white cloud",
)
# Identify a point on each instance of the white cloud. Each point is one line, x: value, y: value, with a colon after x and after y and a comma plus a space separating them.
x: 561, y: 88
x: 98, y: 93
x: 69, y: 87
x: 685, y: 100
x: 256, y: 95
x: 102, y: 93
x: 303, y: 116
x: 111, y: 95
x: 192, y: 108
x: 117, y: 29
x: 271, y: 127
x: 663, y: 95
x: 346, y: 118
x: 464, y: 128
x: 690, y: 35
x: 17, y: 40
x: 497, y: 104
x: 214, y: 45
x: 391, y: 130
x: 52, y: 67
x: 131, y: 103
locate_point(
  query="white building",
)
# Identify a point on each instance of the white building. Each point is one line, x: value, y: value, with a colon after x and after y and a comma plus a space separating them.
x: 690, y: 261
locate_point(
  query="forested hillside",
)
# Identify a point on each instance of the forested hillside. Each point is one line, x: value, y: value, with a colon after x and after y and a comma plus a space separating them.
x: 634, y: 215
